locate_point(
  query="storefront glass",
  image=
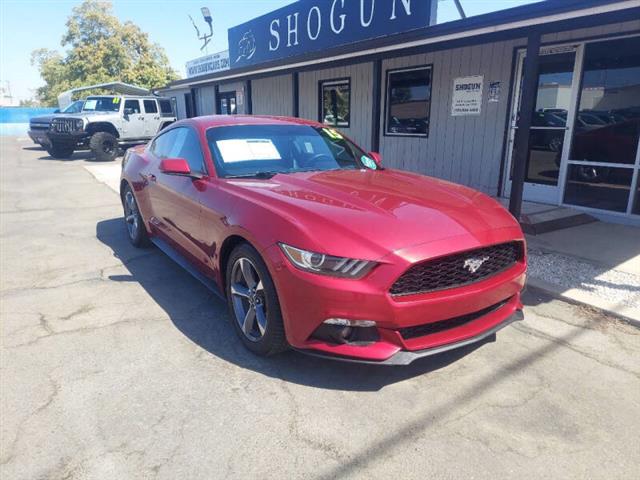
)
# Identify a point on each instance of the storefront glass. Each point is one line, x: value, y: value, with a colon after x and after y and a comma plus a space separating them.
x: 604, y: 150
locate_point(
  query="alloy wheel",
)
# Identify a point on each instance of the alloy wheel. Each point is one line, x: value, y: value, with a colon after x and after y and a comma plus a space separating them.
x: 248, y: 297
x: 131, y: 214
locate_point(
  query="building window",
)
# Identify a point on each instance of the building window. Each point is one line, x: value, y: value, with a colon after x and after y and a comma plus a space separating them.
x: 335, y: 102
x: 408, y: 102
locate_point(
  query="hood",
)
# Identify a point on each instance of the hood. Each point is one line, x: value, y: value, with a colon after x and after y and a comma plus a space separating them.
x: 386, y: 210
x: 43, y: 118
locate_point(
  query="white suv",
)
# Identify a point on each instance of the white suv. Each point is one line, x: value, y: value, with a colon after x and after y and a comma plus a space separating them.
x: 108, y: 122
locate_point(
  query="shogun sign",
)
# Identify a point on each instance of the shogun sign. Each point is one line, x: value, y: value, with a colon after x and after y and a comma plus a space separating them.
x: 208, y: 64
x: 311, y: 25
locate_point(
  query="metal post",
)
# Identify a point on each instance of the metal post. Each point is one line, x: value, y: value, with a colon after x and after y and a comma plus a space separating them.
x: 295, y: 90
x: 376, y: 107
x: 216, y: 94
x: 527, y: 105
x: 248, y: 109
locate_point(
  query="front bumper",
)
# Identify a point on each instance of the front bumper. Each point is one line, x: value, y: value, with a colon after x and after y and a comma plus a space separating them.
x: 307, y: 300
x: 404, y: 357
x: 38, y: 136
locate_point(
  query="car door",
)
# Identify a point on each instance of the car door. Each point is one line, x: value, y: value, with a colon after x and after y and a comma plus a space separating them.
x: 151, y: 117
x: 174, y: 199
x: 133, y: 119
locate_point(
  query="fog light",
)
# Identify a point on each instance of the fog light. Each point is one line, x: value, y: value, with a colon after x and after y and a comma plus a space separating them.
x: 343, y: 322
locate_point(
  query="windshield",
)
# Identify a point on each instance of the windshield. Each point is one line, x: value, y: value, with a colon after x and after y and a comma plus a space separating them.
x: 102, y: 104
x: 75, y: 107
x: 264, y: 150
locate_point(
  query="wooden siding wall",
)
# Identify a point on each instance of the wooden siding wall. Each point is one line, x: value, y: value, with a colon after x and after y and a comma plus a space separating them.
x: 273, y: 96
x: 464, y: 149
x: 206, y: 100
x: 361, y: 97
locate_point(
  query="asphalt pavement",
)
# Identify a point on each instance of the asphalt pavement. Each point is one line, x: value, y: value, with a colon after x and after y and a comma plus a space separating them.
x: 116, y: 364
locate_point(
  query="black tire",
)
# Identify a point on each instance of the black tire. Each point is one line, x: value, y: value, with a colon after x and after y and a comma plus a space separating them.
x: 133, y: 222
x: 60, y: 150
x: 273, y: 340
x: 104, y: 146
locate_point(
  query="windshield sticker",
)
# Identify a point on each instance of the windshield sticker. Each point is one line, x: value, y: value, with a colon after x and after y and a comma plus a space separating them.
x: 90, y: 104
x: 246, y: 150
x: 333, y: 133
x: 116, y: 99
x: 368, y: 162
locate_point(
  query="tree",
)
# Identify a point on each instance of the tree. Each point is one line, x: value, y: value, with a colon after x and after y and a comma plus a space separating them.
x: 100, y: 49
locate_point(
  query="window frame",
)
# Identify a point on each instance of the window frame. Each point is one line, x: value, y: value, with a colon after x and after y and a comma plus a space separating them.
x: 334, y: 81
x: 388, y: 73
x: 152, y: 145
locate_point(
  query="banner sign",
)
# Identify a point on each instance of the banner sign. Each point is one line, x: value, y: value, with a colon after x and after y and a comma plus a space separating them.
x: 208, y: 64
x: 467, y: 96
x: 312, y: 25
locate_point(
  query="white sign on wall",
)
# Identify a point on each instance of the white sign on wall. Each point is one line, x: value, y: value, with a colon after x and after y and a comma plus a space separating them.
x: 467, y: 95
x: 215, y: 62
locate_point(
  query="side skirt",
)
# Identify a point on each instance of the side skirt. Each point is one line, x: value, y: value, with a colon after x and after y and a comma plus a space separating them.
x: 169, y: 251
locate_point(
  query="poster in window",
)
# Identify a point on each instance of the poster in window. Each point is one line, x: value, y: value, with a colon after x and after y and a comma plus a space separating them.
x: 467, y: 96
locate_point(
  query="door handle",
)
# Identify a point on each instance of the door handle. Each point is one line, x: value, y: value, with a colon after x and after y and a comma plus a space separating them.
x: 149, y: 177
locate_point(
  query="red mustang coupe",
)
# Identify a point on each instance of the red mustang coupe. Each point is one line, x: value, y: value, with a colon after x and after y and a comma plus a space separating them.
x: 316, y: 246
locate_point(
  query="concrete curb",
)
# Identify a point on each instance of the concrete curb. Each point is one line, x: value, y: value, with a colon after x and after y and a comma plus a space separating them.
x: 579, y: 297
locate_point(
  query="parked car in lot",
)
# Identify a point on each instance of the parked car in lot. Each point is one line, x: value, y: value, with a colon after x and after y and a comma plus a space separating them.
x: 316, y: 246
x: 39, y: 126
x: 108, y: 122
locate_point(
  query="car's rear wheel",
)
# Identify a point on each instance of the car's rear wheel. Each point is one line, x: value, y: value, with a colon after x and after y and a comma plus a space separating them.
x: 60, y: 150
x: 253, y: 302
x: 136, y: 230
x: 104, y: 146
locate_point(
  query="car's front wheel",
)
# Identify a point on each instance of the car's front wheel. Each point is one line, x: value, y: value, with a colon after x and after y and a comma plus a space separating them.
x: 60, y: 150
x: 104, y: 146
x: 253, y: 302
x: 136, y: 230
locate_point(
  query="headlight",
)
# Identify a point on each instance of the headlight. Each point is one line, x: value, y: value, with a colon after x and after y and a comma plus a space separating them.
x: 327, y: 264
x: 79, y: 124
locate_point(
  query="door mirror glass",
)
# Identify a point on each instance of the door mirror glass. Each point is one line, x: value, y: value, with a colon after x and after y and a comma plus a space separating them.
x: 175, y: 166
x: 128, y: 111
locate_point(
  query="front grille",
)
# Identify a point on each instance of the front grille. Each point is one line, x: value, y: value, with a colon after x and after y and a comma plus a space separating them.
x: 457, y: 270
x: 436, y: 327
x: 63, y: 125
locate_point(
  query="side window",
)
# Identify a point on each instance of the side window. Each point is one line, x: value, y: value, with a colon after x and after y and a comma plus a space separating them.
x: 150, y: 106
x: 180, y: 143
x: 335, y: 96
x: 409, y: 102
x: 133, y: 105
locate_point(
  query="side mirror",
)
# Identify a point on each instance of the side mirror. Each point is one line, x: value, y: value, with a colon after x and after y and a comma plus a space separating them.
x: 377, y: 158
x: 128, y: 111
x: 175, y: 166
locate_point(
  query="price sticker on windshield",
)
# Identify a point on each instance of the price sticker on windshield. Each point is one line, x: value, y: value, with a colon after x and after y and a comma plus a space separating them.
x: 116, y: 100
x: 333, y: 133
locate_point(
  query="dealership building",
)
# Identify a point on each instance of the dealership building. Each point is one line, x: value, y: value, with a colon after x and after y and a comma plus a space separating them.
x: 444, y: 99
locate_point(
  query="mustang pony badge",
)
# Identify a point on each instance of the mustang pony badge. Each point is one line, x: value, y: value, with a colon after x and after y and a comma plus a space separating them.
x: 474, y: 264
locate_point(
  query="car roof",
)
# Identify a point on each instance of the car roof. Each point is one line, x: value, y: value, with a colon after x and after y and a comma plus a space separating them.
x: 146, y: 97
x: 210, y: 121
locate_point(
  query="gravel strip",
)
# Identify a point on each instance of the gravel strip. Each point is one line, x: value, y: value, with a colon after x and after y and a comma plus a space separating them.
x: 570, y: 272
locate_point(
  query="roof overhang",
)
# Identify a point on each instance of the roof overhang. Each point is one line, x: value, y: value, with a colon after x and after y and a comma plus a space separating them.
x: 122, y: 88
x: 545, y: 15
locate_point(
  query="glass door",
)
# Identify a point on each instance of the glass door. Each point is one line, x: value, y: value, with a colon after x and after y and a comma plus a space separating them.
x: 604, y: 162
x: 555, y: 100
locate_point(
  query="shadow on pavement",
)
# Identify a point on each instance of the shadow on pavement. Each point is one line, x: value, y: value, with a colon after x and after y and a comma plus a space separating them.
x: 202, y: 317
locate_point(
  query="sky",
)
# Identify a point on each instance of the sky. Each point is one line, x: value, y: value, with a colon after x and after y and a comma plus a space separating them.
x: 26, y: 25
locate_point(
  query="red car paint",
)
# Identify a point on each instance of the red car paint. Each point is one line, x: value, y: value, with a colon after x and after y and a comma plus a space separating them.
x: 393, y: 217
